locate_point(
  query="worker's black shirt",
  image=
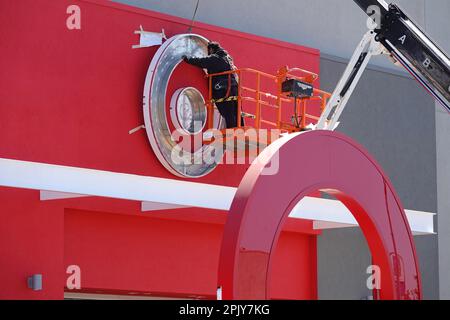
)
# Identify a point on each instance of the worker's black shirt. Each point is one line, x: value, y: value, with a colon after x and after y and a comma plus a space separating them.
x: 217, y: 63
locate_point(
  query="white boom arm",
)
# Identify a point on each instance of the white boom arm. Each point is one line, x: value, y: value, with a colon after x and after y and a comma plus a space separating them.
x: 367, y: 48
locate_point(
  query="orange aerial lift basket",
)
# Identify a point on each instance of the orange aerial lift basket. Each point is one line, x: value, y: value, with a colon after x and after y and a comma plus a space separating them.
x: 275, y: 92
x: 266, y: 100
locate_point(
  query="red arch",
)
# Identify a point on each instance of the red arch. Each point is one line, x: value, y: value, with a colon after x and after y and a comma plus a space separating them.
x: 317, y: 160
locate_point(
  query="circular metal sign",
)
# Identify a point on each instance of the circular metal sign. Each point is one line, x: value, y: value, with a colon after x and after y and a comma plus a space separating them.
x: 165, y: 144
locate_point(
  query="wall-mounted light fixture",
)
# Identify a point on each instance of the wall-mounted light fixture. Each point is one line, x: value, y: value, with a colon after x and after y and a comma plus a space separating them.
x: 35, y: 282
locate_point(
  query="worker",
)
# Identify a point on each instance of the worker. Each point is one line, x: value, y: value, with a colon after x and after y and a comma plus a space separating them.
x: 224, y: 86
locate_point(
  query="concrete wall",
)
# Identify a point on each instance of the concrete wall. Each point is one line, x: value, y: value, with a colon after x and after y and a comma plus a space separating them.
x: 389, y: 114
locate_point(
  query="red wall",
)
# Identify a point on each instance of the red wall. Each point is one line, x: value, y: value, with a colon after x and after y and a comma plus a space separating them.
x: 70, y: 98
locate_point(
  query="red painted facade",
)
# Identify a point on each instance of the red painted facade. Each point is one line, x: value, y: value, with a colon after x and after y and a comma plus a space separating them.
x: 69, y: 97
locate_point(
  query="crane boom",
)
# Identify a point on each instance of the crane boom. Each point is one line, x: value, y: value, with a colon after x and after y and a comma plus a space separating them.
x: 413, y: 48
x: 396, y: 35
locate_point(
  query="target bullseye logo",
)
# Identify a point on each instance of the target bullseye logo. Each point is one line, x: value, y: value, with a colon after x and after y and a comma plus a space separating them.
x: 187, y: 112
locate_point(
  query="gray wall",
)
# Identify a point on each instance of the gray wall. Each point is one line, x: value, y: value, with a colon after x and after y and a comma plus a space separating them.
x: 437, y: 24
x: 342, y: 260
x: 443, y: 183
x: 389, y: 114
